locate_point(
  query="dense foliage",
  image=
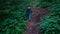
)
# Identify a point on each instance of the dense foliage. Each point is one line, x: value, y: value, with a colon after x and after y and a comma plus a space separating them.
x: 51, y: 23
x: 13, y: 16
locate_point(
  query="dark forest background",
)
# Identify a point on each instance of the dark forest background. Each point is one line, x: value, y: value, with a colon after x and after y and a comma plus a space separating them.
x: 13, y: 16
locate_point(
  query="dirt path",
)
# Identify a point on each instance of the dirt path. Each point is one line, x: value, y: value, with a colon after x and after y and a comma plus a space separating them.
x: 34, y: 23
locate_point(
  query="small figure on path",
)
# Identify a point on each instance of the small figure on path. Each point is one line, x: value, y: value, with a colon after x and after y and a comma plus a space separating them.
x: 29, y: 12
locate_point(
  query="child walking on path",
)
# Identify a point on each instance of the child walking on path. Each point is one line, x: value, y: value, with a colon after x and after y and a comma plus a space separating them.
x: 29, y: 13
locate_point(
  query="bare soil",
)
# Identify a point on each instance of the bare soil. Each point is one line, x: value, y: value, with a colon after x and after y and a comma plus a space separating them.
x: 34, y: 23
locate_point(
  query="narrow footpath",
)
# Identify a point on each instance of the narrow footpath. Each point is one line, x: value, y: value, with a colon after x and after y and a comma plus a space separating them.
x: 33, y: 25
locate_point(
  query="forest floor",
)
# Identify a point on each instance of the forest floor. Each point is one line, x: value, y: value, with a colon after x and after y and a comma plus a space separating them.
x: 37, y: 16
x: 33, y: 25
